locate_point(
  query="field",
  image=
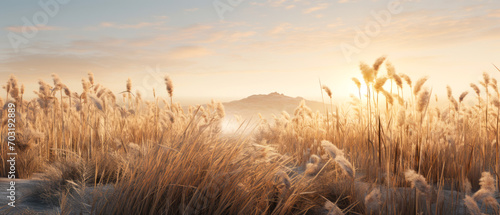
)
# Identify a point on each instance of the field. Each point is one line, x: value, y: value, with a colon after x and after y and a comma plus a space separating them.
x: 384, y: 152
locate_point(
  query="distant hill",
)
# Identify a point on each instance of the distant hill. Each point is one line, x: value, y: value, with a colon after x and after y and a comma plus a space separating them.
x: 273, y: 103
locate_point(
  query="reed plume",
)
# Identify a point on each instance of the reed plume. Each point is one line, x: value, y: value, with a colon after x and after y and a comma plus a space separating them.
x: 407, y: 79
x: 91, y: 78
x: 220, y: 110
x: 373, y: 200
x: 358, y: 84
x: 331, y: 149
x: 417, y: 181
x: 13, y: 87
x: 328, y: 91
x: 488, y: 189
x: 486, y: 79
x: 379, y: 83
x: 378, y: 62
x: 476, y: 89
x: 170, y: 85
x: 462, y: 96
x: 418, y: 85
x: 85, y: 86
x: 391, y: 71
x: 398, y: 80
x: 332, y: 208
x: 388, y: 97
x: 356, y: 81
x: 57, y: 81
x: 423, y: 99
x: 472, y: 206
x: 449, y: 92
x: 129, y: 85
x: 313, y: 167
x: 368, y: 72
x: 338, y: 156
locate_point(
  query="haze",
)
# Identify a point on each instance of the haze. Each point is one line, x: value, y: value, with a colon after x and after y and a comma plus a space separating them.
x: 252, y: 47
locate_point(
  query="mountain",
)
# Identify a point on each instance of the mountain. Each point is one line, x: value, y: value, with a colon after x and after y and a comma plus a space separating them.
x: 273, y: 103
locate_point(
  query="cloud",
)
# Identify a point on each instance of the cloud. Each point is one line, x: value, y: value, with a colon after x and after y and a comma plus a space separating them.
x: 161, y: 17
x: 185, y: 52
x: 276, y: 4
x: 494, y: 13
x: 346, y: 1
x: 280, y: 28
x: 19, y: 29
x: 192, y: 9
x: 130, y: 26
x: 315, y: 8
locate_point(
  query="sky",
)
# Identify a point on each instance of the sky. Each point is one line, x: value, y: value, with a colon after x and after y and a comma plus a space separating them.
x: 230, y: 49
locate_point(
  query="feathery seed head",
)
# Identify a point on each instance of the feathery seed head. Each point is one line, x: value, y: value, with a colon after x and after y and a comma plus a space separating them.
x: 328, y: 91
x: 170, y: 85
x: 91, y: 78
x: 368, y: 72
x: 472, y: 206
x: 418, y: 85
x: 486, y: 78
x: 423, y: 99
x: 220, y: 110
x: 388, y: 97
x: 448, y: 91
x: 129, y: 85
x: 85, y: 85
x: 391, y: 71
x: 356, y: 81
x: 67, y: 92
x: 379, y: 83
x: 462, y: 96
x: 14, y: 87
x: 476, y: 89
x: 373, y: 200
x: 378, y: 62
x: 418, y: 181
x: 331, y: 149
x: 332, y: 208
x: 406, y: 78
x: 57, y: 81
x: 398, y: 80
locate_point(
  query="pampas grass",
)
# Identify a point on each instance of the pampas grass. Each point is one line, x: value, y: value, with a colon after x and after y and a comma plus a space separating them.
x: 328, y: 91
x: 332, y: 208
x: 476, y: 89
x: 417, y: 181
x: 379, y: 83
x: 159, y: 157
x: 313, y: 167
x: 368, y: 73
x: 338, y: 156
x: 331, y: 149
x: 418, y: 85
x: 129, y: 85
x: 487, y: 191
x: 472, y: 206
x: 462, y: 96
x: 373, y: 201
x: 378, y: 63
x: 423, y: 99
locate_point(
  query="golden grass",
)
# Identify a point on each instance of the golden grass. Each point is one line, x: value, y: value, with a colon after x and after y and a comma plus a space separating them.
x: 156, y: 157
